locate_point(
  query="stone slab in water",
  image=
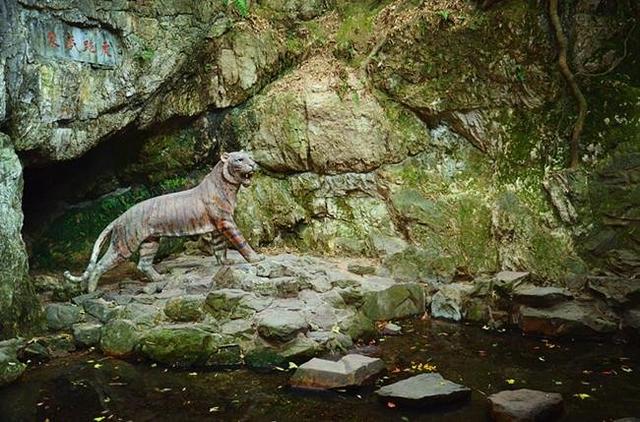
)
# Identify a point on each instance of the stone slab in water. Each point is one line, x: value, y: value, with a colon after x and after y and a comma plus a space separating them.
x: 525, y: 405
x: 541, y: 297
x: 569, y: 318
x: 351, y: 370
x: 620, y: 291
x: 424, y: 390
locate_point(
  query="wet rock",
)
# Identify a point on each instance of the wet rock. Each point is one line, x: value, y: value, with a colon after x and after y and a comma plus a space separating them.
x: 448, y: 302
x: 80, y: 299
x: 187, y: 345
x: 185, y: 308
x: 100, y: 309
x: 119, y: 337
x: 507, y: 281
x: 631, y: 320
x: 10, y: 367
x: 616, y: 290
x: 61, y: 316
x: 280, y: 324
x: 142, y: 314
x: 298, y: 348
x: 570, y: 318
x: 424, y: 390
x: 391, y: 329
x: 540, y: 297
x: 351, y: 370
x: 87, y: 334
x: 357, y: 325
x: 385, y: 299
x: 47, y: 347
x: 525, y: 405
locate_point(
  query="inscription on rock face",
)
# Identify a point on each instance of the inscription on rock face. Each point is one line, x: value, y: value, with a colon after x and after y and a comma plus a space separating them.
x: 89, y: 45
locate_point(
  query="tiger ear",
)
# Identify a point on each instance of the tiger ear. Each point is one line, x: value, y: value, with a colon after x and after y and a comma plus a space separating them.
x: 224, y: 157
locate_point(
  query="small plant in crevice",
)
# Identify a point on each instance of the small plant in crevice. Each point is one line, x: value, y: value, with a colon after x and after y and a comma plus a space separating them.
x: 242, y: 6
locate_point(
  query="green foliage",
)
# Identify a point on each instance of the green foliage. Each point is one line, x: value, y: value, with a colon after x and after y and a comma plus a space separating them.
x: 145, y: 55
x: 241, y: 5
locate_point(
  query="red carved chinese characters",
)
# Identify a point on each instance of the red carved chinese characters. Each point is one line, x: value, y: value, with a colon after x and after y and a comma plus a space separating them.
x: 106, y: 48
x: 89, y: 46
x: 52, y: 39
x: 69, y: 41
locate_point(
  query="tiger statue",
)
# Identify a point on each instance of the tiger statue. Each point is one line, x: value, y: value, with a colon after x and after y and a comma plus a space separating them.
x: 206, y: 208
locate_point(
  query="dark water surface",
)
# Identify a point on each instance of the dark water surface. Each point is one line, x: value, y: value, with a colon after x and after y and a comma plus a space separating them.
x: 88, y: 387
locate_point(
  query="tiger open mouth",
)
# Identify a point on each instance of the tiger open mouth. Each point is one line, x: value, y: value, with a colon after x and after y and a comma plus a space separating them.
x: 246, y: 178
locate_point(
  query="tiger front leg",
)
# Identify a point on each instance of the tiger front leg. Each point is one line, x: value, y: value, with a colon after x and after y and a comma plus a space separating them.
x: 230, y: 231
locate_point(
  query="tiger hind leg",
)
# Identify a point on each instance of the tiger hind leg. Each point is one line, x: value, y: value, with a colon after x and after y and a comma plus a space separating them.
x: 219, y: 247
x: 109, y: 260
x: 148, y: 250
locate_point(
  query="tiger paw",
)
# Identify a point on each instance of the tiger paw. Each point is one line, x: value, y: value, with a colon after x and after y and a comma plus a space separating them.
x: 255, y: 257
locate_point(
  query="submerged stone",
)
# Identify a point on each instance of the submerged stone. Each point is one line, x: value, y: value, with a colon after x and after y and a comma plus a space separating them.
x: 424, y: 390
x: 351, y: 370
x: 525, y: 405
x: 568, y: 318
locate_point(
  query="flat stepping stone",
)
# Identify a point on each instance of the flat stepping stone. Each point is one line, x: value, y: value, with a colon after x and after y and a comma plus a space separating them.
x: 424, y: 390
x: 525, y: 405
x: 322, y: 374
x: 541, y: 297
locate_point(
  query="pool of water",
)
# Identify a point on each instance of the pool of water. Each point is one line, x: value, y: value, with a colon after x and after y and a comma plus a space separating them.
x: 89, y: 387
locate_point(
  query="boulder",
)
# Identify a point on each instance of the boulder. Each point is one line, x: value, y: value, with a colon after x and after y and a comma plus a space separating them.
x: 573, y: 318
x: 86, y: 333
x: 229, y: 303
x: 525, y: 405
x: 280, y: 324
x: 385, y: 299
x: 185, y: 308
x: 119, y: 337
x: 10, y: 368
x: 61, y: 316
x: 616, y: 290
x: 631, y: 319
x: 142, y: 314
x: 351, y: 370
x: 424, y: 390
x: 391, y: 329
x: 448, y: 302
x: 100, y: 309
x: 188, y: 345
x: 540, y: 297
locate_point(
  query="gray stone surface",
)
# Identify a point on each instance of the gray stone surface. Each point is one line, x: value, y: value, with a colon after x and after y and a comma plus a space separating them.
x: 61, y: 316
x: 448, y: 302
x: 424, y: 390
x: 569, y: 318
x: 280, y: 324
x: 87, y: 334
x: 17, y: 300
x: 351, y: 370
x: 119, y: 337
x: 617, y: 290
x: 537, y: 296
x: 525, y: 405
x: 100, y: 309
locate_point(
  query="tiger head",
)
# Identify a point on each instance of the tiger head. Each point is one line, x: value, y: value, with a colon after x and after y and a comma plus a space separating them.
x: 238, y: 167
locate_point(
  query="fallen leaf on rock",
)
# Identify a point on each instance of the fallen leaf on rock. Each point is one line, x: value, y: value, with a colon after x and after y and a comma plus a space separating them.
x: 582, y: 396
